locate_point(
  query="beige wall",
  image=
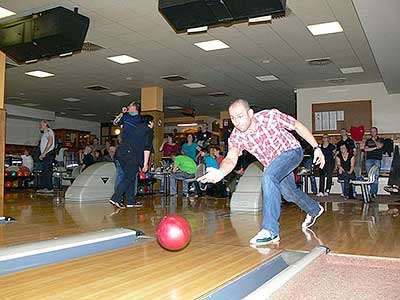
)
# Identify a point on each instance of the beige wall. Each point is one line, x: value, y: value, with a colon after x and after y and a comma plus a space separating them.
x: 385, y: 107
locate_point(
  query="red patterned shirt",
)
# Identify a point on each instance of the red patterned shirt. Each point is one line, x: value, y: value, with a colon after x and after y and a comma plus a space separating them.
x: 270, y: 139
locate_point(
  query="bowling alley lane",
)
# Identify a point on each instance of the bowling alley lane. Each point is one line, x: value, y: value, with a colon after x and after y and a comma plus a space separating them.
x: 218, y: 251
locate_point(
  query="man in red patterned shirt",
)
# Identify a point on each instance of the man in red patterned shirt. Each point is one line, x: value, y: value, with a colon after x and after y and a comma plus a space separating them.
x: 266, y: 135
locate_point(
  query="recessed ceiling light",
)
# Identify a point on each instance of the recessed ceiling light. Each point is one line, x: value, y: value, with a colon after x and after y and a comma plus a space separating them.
x: 260, y: 19
x: 212, y: 45
x: 40, y: 74
x: 70, y: 99
x: 119, y: 94
x: 89, y: 115
x: 197, y: 29
x: 4, y: 13
x: 30, y: 104
x: 325, y: 28
x: 352, y: 70
x: 194, y: 85
x: 267, y: 78
x: 123, y: 59
x: 174, y: 107
x: 62, y: 113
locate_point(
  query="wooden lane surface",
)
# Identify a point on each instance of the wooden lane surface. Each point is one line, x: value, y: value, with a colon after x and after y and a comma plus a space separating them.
x: 218, y: 252
x: 144, y: 271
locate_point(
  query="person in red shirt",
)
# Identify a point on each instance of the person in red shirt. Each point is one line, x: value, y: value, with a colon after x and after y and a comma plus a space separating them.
x: 266, y: 135
x: 168, y: 146
x: 219, y: 156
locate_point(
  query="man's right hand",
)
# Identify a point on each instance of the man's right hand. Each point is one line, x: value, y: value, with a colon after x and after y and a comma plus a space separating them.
x: 213, y: 176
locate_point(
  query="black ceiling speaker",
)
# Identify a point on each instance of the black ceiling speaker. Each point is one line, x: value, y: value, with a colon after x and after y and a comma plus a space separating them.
x: 43, y: 35
x: 186, y: 14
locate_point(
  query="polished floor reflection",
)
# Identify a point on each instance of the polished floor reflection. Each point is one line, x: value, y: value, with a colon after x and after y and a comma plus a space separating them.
x: 218, y: 252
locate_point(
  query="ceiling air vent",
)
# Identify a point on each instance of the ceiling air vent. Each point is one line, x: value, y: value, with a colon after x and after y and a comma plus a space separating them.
x: 319, y: 61
x: 218, y: 94
x: 96, y: 87
x: 90, y: 47
x: 173, y: 78
x: 340, y: 80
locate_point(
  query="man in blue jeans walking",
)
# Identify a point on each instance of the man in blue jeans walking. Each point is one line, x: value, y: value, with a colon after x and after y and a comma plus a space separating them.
x: 266, y: 135
x: 374, y: 151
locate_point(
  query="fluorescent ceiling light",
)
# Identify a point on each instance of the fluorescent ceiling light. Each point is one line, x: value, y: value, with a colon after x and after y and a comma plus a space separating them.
x: 212, y: 45
x: 194, y: 85
x: 325, y: 28
x: 65, y: 54
x: 187, y: 124
x: 352, y: 70
x: 174, y: 107
x: 31, y: 61
x: 119, y: 94
x: 123, y: 59
x: 260, y: 19
x: 40, y: 74
x: 30, y: 104
x: 89, y: 115
x: 70, y: 99
x: 62, y: 113
x: 4, y: 13
x: 267, y: 78
x: 197, y: 29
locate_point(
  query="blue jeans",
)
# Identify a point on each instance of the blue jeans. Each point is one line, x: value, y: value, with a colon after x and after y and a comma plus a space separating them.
x: 368, y: 165
x: 308, y: 164
x: 179, y: 176
x: 119, y: 174
x: 278, y: 179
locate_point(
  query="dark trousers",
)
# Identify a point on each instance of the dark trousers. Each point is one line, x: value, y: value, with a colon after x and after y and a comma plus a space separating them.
x: 130, y: 168
x: 47, y: 175
x: 326, y: 172
x: 347, y: 187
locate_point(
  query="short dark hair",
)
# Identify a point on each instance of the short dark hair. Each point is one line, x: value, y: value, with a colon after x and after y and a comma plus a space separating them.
x: 376, y: 128
x: 205, y: 150
x: 147, y: 119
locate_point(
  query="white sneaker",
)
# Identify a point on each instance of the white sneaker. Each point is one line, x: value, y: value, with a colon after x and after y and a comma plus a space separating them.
x: 264, y: 237
x: 320, y: 194
x: 326, y: 194
x: 310, y: 220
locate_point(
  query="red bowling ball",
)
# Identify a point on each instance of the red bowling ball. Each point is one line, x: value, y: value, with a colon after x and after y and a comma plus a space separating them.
x: 173, y: 232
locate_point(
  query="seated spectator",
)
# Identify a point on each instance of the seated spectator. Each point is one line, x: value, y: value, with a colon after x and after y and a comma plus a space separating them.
x: 168, y: 146
x: 184, y: 168
x: 345, y: 163
x: 106, y: 148
x: 97, y: 155
x: 218, y: 189
x: 27, y: 160
x: 86, y: 158
x: 209, y: 161
x: 111, y: 154
x: 96, y: 144
x: 190, y: 148
x: 219, y: 156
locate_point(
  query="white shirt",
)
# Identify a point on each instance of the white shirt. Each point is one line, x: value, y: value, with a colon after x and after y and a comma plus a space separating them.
x: 27, y: 161
x: 43, y: 141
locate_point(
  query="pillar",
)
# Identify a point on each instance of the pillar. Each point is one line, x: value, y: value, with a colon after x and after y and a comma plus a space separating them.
x: 2, y: 128
x: 152, y: 103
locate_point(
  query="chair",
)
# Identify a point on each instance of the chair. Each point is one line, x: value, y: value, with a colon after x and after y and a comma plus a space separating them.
x: 366, y: 183
x: 200, y: 171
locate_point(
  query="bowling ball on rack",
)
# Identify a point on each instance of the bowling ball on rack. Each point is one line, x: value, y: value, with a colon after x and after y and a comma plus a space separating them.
x: 20, y: 173
x: 173, y: 232
x: 142, y: 175
x: 8, y: 184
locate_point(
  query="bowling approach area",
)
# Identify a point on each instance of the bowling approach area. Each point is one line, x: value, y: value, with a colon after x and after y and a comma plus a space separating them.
x: 92, y: 251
